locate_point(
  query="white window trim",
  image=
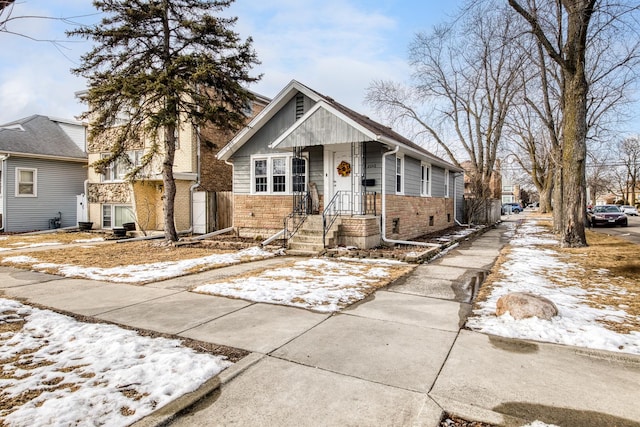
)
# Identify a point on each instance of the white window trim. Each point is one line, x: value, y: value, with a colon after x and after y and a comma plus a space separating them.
x: 35, y: 182
x: 113, y: 213
x: 288, y: 174
x: 447, y: 184
x: 426, y: 192
x: 133, y: 157
x: 402, y: 175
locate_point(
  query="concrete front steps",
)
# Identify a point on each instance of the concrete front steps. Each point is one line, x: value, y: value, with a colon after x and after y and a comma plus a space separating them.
x: 308, y: 240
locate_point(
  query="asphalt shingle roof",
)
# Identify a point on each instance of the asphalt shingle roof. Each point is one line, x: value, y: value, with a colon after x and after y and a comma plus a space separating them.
x: 379, y: 128
x: 40, y: 136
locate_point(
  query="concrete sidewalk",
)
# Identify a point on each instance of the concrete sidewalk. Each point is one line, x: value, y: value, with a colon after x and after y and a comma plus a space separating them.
x: 397, y: 358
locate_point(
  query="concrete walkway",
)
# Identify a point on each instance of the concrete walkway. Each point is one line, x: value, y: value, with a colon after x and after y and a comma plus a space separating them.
x: 398, y: 358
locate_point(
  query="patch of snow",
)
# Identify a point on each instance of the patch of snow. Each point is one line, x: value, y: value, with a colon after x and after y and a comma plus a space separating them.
x: 529, y: 268
x: 24, y: 245
x: 540, y: 424
x: 317, y: 284
x: 146, y: 272
x: 95, y: 239
x: 92, y: 371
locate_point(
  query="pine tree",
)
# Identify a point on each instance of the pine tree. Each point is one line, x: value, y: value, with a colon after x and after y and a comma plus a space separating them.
x: 159, y: 64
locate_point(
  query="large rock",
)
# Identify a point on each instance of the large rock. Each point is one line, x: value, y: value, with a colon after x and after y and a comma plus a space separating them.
x: 522, y: 305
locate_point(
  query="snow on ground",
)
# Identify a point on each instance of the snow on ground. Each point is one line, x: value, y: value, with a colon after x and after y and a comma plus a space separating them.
x: 76, y: 371
x: 528, y: 268
x: 143, y: 273
x: 324, y: 285
x: 26, y: 245
x: 458, y: 235
x: 92, y: 240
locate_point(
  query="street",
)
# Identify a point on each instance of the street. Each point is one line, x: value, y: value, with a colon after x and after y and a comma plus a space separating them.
x: 630, y: 233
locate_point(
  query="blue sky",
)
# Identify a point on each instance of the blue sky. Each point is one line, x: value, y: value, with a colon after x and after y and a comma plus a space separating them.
x: 334, y: 46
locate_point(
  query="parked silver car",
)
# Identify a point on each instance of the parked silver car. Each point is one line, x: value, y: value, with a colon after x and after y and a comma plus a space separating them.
x: 629, y: 210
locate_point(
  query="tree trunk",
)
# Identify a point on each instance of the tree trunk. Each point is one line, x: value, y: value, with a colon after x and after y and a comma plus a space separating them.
x: 170, y: 232
x: 574, y: 153
x: 574, y: 130
x: 558, y: 202
x: 545, y: 197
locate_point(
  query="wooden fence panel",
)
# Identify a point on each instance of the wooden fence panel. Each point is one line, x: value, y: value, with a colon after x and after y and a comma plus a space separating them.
x: 220, y: 212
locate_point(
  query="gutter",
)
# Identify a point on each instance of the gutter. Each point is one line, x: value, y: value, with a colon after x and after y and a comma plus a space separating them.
x: 384, y: 209
x: 432, y: 159
x: 47, y: 157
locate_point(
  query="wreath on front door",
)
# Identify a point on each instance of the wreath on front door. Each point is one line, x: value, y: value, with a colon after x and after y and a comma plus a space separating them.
x: 344, y: 168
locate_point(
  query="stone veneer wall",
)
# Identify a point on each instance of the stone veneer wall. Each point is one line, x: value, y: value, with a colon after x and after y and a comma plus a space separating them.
x: 109, y: 193
x: 413, y: 216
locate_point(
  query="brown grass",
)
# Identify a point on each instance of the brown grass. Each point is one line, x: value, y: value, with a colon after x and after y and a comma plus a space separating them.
x: 617, y: 288
x: 620, y: 287
x: 12, y: 241
x: 111, y: 254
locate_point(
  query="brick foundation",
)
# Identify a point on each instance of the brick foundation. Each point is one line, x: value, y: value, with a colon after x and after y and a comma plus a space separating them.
x: 410, y: 217
x: 255, y: 215
x: 360, y: 231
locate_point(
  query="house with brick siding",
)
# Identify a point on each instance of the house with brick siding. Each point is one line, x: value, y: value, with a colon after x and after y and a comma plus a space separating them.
x: 113, y: 201
x: 318, y: 174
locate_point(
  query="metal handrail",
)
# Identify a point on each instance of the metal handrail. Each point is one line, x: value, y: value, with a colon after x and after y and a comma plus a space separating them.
x: 296, y: 217
x: 330, y: 216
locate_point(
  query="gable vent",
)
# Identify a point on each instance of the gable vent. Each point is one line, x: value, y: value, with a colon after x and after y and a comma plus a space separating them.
x: 299, y: 105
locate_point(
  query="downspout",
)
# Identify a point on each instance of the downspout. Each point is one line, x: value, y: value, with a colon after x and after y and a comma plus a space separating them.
x: 197, y: 183
x: 85, y: 185
x: 232, y: 172
x: 384, y: 208
x: 3, y: 190
x: 455, y: 200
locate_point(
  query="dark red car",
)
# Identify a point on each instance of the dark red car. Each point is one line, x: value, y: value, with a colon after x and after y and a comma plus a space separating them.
x: 606, y: 215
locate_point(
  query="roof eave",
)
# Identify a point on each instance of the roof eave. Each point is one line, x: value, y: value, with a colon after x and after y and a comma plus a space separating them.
x: 45, y: 156
x: 264, y: 116
x: 431, y: 158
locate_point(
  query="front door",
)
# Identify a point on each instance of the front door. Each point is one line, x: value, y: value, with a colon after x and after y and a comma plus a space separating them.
x: 343, y: 180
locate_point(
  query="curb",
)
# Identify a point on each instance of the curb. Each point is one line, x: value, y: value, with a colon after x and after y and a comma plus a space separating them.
x: 163, y: 416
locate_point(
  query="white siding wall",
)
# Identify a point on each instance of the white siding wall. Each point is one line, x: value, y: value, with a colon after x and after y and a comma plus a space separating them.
x: 77, y: 133
x: 58, y: 183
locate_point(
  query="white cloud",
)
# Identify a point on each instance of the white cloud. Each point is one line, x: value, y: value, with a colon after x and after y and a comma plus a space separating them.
x: 336, y: 47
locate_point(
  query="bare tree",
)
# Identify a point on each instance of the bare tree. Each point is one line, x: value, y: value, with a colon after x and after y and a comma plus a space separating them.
x: 6, y: 7
x: 629, y: 150
x: 565, y: 41
x: 600, y: 174
x: 465, y: 76
x: 535, y: 120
